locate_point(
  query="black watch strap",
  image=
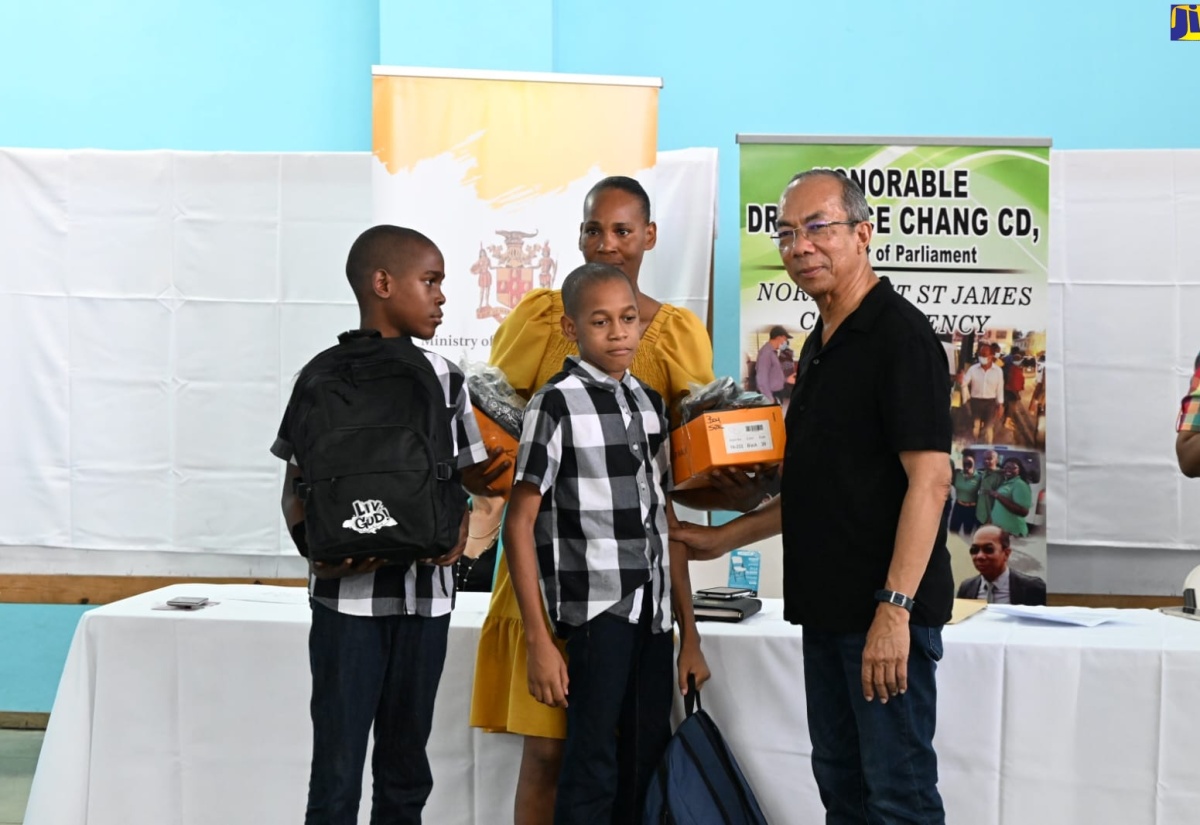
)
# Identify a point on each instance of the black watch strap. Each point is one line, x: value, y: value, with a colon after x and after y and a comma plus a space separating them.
x: 892, y: 597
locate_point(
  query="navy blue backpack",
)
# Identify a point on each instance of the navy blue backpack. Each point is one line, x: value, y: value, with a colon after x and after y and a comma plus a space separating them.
x: 698, y: 781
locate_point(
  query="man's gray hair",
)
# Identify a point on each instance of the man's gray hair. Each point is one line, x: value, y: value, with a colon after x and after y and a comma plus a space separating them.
x: 854, y: 202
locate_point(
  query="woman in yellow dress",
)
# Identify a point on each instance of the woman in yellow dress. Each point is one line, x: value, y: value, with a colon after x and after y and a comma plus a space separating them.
x: 529, y: 348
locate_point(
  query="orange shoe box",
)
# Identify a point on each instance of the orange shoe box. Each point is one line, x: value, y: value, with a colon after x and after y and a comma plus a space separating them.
x: 726, y: 438
x: 494, y: 434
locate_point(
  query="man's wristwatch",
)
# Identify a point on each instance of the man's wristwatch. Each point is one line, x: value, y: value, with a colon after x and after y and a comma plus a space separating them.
x: 892, y: 597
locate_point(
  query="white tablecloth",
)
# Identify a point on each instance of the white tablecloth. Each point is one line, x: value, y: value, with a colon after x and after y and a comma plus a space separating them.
x: 169, y: 718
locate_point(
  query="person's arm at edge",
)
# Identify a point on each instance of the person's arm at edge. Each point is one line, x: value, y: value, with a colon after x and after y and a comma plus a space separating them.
x: 885, y: 655
x: 547, y: 668
x: 1187, y: 451
x: 691, y: 657
x: 290, y: 503
x: 713, y: 542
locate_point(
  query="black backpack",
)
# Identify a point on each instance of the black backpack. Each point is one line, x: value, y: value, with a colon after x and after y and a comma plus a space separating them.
x: 698, y: 782
x: 374, y: 440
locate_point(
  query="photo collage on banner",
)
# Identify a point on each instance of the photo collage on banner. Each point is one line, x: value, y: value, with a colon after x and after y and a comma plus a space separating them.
x: 454, y: 159
x: 961, y: 230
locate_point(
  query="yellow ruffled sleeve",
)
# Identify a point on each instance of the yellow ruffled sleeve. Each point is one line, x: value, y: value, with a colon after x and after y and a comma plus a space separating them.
x: 683, y: 354
x: 529, y: 347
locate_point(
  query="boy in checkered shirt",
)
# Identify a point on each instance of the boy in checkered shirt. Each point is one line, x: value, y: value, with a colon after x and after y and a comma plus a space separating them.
x: 378, y: 637
x: 587, y: 517
x: 1187, y: 425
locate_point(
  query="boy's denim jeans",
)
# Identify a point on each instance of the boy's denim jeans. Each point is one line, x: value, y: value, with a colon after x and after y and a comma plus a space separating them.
x: 874, y: 763
x: 622, y: 679
x: 381, y: 670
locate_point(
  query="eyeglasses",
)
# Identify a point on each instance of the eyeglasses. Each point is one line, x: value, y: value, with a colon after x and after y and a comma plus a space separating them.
x: 815, y: 231
x: 986, y: 549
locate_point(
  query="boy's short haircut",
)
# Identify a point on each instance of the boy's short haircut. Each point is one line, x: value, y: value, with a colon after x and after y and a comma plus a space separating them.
x: 625, y: 184
x: 380, y: 247
x: 582, y: 278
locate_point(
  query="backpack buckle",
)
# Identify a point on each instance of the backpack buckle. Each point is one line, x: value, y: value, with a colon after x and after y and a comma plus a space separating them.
x: 444, y: 471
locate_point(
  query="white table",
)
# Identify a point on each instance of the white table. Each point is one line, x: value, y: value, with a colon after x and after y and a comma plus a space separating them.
x: 169, y: 718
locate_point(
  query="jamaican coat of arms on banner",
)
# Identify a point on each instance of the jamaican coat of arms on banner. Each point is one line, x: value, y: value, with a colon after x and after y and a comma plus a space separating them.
x: 509, y: 267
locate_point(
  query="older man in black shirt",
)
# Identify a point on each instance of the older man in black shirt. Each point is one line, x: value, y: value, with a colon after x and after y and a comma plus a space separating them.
x: 865, y: 480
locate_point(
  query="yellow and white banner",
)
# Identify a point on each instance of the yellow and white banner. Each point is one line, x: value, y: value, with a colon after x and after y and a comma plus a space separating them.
x: 494, y: 168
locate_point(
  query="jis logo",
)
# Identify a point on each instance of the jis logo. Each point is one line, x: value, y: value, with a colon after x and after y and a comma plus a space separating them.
x: 1185, y: 22
x: 369, y: 517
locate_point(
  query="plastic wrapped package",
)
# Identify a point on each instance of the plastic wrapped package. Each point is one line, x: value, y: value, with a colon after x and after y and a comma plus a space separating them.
x: 724, y: 426
x: 499, y: 412
x: 721, y: 394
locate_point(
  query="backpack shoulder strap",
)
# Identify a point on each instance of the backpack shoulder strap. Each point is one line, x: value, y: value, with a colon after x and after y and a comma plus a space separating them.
x: 691, y: 702
x: 441, y: 412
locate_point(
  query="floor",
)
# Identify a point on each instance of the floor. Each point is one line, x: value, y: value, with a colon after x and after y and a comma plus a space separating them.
x: 18, y: 757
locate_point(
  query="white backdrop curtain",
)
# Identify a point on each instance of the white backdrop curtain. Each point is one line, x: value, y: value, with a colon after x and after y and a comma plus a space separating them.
x: 154, y: 310
x: 154, y: 307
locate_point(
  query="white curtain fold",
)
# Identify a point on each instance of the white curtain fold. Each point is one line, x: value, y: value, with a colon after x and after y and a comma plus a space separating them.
x: 155, y: 306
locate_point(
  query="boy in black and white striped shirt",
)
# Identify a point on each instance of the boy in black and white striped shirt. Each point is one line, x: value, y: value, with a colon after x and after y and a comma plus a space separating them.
x: 378, y: 638
x: 587, y: 517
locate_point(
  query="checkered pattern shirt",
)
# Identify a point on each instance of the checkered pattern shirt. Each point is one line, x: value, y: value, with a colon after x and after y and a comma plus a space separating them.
x: 419, y: 588
x: 1189, y: 407
x: 598, y: 451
